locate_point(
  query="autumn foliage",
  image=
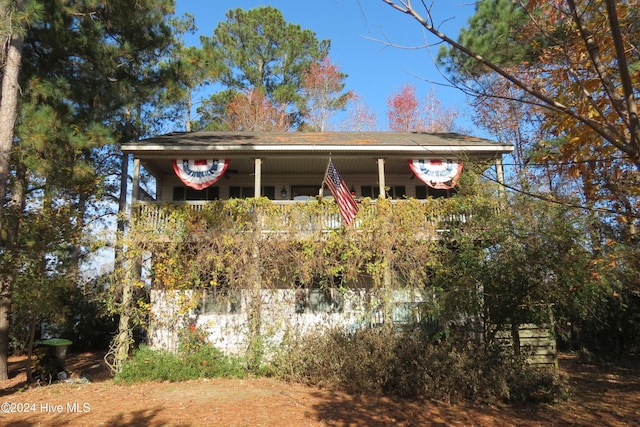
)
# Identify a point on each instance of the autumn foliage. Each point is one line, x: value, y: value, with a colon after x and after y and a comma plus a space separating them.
x: 408, y: 113
x: 251, y: 110
x: 360, y: 118
x: 578, y: 77
x: 322, y: 84
x: 403, y: 111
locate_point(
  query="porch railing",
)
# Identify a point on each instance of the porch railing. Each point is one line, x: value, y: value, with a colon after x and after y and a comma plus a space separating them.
x: 288, y: 216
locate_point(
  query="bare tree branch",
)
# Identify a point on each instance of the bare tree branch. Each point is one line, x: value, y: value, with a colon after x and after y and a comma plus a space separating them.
x: 547, y: 102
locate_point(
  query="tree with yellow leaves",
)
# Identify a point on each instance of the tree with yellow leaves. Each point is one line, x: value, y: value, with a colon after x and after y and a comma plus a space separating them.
x: 579, y: 75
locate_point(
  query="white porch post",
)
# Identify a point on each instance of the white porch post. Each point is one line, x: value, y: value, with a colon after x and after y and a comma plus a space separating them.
x: 381, y: 179
x: 500, y: 175
x: 257, y: 177
x: 135, y: 190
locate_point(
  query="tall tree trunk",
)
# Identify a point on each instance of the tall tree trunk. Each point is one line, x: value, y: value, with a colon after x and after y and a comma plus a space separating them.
x: 12, y: 56
x: 6, y: 290
x: 189, y: 106
x: 76, y: 254
x: 515, y: 338
x: 9, y: 272
x: 255, y: 350
x: 119, y: 351
x: 387, y: 288
x: 33, y: 324
x: 124, y: 338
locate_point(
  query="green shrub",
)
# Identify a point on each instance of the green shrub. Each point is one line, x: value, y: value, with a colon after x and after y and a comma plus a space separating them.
x: 160, y: 365
x: 410, y: 364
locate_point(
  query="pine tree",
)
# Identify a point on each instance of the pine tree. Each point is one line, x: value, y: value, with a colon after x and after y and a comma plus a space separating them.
x: 495, y: 29
x: 14, y: 19
x: 83, y: 66
x: 261, y: 50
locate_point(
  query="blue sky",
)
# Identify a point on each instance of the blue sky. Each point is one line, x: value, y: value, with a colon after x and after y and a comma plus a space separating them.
x: 353, y: 26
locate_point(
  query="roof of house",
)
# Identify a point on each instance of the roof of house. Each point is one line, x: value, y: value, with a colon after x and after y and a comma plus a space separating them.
x: 311, y: 141
x: 155, y: 151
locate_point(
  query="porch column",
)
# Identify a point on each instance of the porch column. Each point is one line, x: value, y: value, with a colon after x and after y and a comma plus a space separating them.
x: 381, y: 180
x: 257, y: 168
x: 135, y: 190
x: 500, y: 175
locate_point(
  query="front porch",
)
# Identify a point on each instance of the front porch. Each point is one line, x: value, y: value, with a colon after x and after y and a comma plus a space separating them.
x: 428, y: 218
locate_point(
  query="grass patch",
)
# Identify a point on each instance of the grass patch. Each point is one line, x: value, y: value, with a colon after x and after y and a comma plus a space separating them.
x: 161, y: 365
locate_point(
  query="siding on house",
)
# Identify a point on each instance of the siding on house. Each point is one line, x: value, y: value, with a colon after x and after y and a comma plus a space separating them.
x: 229, y: 332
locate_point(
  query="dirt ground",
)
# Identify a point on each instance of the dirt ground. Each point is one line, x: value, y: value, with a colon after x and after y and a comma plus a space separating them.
x: 602, y: 396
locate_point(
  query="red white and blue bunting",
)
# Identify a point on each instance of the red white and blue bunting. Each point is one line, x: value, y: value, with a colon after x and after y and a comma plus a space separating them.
x: 199, y: 173
x: 437, y: 173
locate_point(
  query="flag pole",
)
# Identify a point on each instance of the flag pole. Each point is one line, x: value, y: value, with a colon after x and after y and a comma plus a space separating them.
x: 324, y: 179
x: 326, y: 171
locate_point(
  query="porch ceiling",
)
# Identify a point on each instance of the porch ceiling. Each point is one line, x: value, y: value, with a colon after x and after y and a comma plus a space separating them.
x: 293, y: 166
x: 308, y: 153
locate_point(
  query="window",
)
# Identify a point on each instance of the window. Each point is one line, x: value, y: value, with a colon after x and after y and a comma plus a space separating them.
x: 235, y: 192
x: 369, y: 191
x: 397, y: 192
x: 309, y: 191
x: 319, y: 301
x: 394, y: 192
x: 214, y: 292
x: 219, y: 299
x: 181, y: 194
x: 407, y: 313
x: 424, y: 192
x: 320, y: 296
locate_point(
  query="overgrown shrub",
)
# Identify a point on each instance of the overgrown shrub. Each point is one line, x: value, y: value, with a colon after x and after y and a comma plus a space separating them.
x: 160, y: 365
x: 409, y: 364
x: 192, y: 339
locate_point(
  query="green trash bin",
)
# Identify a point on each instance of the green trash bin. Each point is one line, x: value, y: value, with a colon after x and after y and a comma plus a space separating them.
x: 55, y: 356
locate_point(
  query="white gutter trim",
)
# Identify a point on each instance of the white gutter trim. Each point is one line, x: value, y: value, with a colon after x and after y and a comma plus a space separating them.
x: 316, y: 148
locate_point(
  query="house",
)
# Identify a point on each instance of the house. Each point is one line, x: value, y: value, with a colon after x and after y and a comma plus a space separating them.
x: 239, y: 292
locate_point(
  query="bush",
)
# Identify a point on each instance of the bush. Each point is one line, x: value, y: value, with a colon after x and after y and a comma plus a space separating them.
x: 160, y: 365
x: 192, y: 339
x: 409, y: 364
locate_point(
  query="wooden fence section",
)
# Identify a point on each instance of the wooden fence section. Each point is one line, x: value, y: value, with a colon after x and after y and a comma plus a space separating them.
x: 536, y: 341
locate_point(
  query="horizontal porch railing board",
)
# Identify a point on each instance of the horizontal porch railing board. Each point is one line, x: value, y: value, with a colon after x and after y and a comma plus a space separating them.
x: 156, y: 215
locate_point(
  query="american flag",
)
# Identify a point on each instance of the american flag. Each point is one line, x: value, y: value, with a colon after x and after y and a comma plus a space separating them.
x: 346, y: 202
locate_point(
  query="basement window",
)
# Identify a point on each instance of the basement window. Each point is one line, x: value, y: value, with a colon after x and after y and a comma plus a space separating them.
x: 319, y: 297
x: 218, y: 300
